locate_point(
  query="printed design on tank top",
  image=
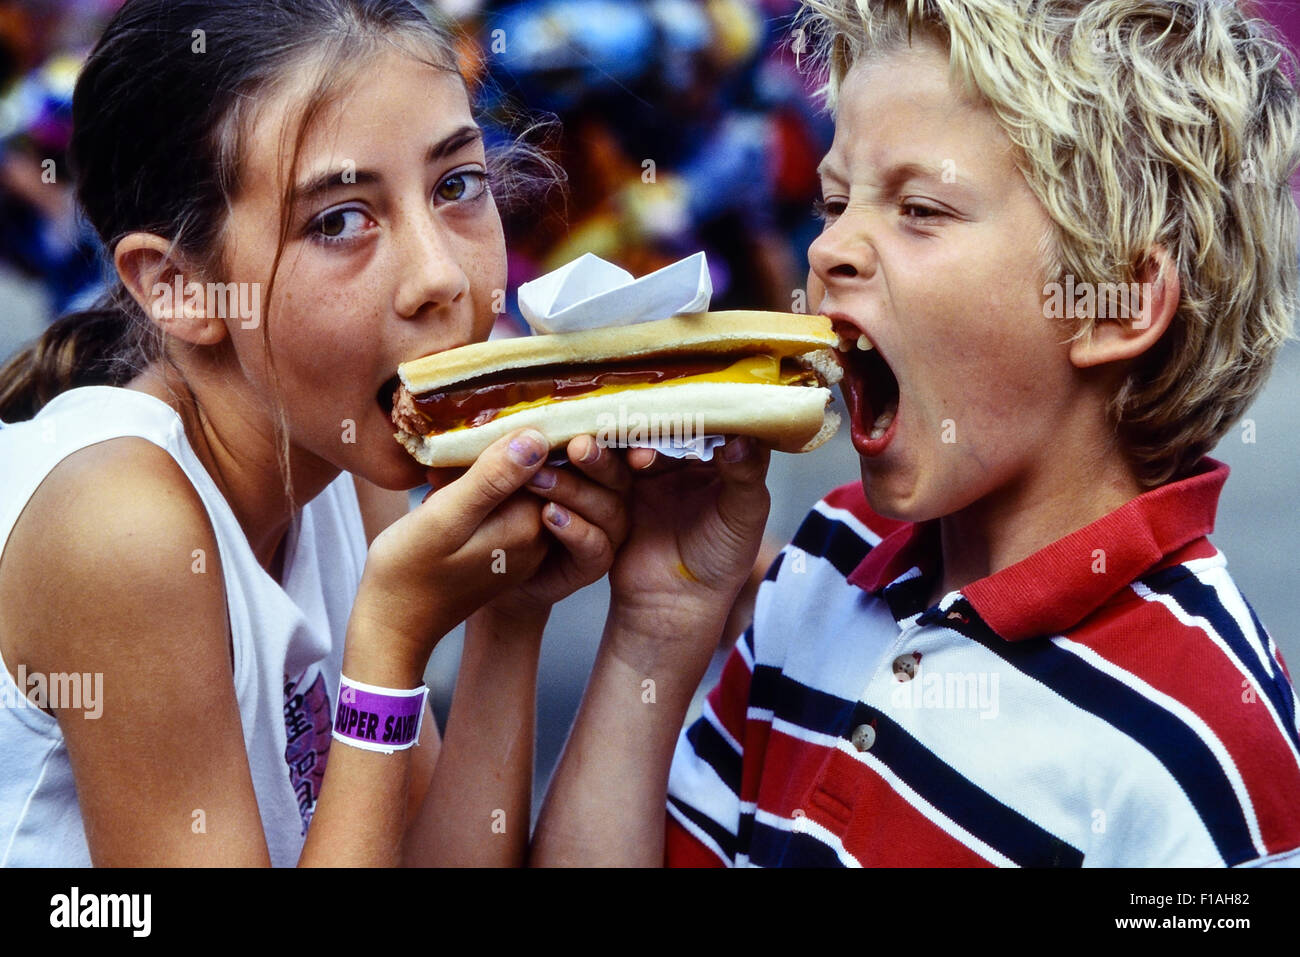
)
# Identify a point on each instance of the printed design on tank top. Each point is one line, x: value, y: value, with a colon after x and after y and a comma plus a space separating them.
x: 307, y: 723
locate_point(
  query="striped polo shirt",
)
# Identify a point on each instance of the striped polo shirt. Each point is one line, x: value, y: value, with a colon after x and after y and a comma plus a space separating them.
x: 1111, y: 700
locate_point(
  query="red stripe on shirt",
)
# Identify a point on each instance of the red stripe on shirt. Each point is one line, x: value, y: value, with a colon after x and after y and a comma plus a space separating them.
x: 755, y: 751
x: 684, y: 849
x: 851, y: 800
x: 729, y: 699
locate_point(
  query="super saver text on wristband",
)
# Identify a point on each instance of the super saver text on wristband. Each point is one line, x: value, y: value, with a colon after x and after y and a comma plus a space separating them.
x: 378, y: 719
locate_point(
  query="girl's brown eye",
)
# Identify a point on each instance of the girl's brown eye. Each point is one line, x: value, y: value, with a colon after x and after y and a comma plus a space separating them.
x: 452, y: 188
x: 331, y: 224
x: 339, y: 225
x: 461, y: 186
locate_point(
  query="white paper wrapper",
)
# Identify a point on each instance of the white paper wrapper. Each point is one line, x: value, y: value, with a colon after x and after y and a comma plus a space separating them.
x: 589, y: 293
x: 700, y: 447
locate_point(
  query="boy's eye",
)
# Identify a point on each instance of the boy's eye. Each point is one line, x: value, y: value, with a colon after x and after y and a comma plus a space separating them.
x: 462, y: 186
x: 920, y: 211
x: 339, y: 225
x: 827, y: 209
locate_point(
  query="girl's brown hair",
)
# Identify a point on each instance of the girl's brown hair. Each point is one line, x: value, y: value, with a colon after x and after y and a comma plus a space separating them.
x: 161, y: 113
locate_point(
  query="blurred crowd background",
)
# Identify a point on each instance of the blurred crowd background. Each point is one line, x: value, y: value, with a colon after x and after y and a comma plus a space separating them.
x: 682, y: 125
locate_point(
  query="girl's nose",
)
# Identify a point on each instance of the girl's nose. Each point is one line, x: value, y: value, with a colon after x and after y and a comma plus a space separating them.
x: 432, y: 276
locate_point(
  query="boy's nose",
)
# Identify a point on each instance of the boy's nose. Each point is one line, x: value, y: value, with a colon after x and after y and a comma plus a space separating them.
x: 816, y: 292
x: 431, y: 273
x: 841, y: 253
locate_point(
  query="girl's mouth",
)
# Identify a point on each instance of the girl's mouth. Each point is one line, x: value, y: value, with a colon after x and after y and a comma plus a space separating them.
x: 870, y: 391
x: 387, y: 394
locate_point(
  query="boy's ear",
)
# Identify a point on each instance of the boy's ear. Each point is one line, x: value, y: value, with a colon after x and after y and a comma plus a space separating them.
x: 1115, y: 339
x: 149, y: 271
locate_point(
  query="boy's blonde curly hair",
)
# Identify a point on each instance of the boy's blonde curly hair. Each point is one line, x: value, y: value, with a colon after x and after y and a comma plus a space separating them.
x: 1139, y: 123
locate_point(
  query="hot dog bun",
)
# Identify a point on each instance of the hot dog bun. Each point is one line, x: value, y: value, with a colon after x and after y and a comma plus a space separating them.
x: 787, y: 410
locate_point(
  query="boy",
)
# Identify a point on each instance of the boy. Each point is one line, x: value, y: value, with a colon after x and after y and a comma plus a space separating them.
x: 1060, y: 251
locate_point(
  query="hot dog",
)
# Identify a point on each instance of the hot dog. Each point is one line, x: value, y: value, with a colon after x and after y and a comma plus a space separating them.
x: 761, y: 374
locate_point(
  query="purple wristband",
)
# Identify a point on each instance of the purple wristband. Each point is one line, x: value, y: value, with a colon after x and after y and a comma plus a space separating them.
x: 378, y: 719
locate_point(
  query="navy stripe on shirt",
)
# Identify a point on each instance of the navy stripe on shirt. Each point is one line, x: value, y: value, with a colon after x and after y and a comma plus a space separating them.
x: 747, y: 637
x: 773, y: 847
x: 716, y: 832
x: 908, y: 597
x: 1279, y: 676
x: 711, y: 747
x: 832, y: 540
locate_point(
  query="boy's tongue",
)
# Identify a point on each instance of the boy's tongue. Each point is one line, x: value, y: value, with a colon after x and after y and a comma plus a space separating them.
x: 871, y: 392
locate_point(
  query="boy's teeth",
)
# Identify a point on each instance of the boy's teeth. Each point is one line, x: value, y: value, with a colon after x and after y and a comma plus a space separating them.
x: 882, y: 424
x: 848, y: 344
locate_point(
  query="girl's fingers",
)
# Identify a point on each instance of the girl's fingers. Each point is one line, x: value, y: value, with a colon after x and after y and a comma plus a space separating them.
x: 499, y: 472
x: 587, y: 544
x: 439, y: 479
x: 515, y: 527
x: 442, y: 477
x: 599, y: 463
x: 582, y: 496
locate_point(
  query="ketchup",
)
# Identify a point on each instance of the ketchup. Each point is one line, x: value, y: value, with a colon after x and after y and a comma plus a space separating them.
x: 481, y: 400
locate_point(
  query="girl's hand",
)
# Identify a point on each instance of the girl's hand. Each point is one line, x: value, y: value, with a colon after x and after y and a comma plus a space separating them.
x: 485, y: 769
x: 589, y: 518
x: 469, y: 540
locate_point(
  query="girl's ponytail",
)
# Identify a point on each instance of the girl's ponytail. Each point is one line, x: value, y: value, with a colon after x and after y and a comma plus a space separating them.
x: 102, y: 345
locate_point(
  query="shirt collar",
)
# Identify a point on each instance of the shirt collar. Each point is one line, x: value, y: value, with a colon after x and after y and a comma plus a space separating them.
x: 1057, y: 587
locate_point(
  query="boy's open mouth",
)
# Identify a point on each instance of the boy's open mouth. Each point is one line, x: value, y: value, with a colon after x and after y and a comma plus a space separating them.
x: 870, y: 391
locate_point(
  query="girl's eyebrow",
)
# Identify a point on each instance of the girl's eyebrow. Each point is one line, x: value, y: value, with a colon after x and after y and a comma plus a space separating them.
x: 333, y: 179
x: 456, y: 140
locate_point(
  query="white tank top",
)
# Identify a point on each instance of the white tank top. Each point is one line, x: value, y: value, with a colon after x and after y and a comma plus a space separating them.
x: 288, y: 641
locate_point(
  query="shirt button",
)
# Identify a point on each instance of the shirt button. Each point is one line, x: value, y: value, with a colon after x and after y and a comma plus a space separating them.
x: 905, y: 667
x: 863, y: 737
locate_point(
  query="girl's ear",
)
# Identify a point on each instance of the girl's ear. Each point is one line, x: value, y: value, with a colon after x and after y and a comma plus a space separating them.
x: 1114, y: 339
x: 170, y: 297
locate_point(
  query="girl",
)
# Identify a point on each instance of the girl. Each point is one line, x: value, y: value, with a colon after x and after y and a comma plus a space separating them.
x: 295, y: 196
